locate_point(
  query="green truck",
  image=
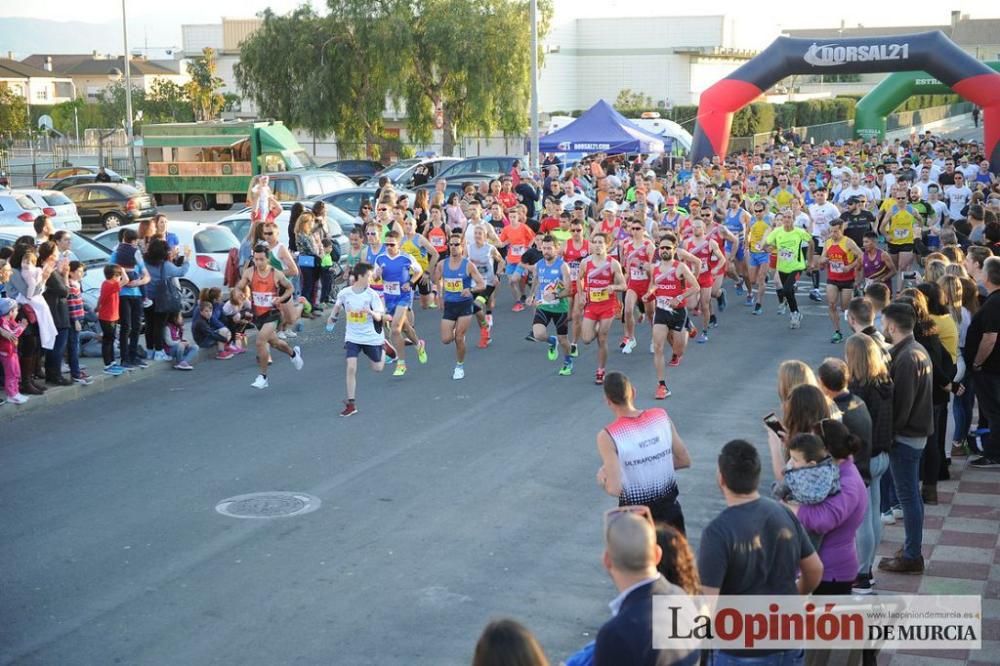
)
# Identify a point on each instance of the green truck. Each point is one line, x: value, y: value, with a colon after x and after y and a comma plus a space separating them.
x: 210, y: 164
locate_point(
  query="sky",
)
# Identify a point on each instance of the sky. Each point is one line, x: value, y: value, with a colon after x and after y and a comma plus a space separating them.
x: 158, y: 23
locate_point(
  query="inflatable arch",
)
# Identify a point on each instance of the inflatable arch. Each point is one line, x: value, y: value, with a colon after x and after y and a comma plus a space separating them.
x: 931, y: 51
x: 893, y: 90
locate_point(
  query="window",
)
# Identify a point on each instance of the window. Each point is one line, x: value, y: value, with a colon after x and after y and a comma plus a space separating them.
x: 271, y: 162
x: 77, y: 195
x: 488, y: 166
x: 214, y: 240
x: 98, y: 195
x: 25, y: 202
x: 42, y: 94
x: 56, y: 199
x: 312, y: 186
x: 350, y: 202
x: 285, y: 189
x: 330, y: 184
x: 87, y: 250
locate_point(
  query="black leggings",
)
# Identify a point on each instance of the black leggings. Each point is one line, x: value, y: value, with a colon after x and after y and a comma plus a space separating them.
x: 934, y: 449
x: 155, y: 323
x: 787, y: 291
x: 129, y: 323
x: 108, y: 342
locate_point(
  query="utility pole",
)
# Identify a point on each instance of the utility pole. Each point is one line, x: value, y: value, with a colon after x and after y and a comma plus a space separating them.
x: 534, y: 162
x: 128, y: 99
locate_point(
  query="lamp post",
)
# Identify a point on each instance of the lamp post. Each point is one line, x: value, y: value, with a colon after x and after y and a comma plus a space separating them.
x: 534, y: 162
x: 128, y: 99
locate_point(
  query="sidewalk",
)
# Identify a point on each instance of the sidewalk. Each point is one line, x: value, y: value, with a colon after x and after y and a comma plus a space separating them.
x: 961, y: 537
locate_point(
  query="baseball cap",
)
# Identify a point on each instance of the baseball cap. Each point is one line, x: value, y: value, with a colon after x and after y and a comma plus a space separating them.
x: 853, y: 200
x: 579, y: 205
x: 609, y: 206
x: 650, y: 173
x: 6, y: 305
x: 525, y: 173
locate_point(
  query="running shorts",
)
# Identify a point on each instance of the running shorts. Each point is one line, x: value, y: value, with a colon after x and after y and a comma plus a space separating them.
x: 455, y: 309
x: 560, y: 319
x: 674, y: 321
x: 373, y: 352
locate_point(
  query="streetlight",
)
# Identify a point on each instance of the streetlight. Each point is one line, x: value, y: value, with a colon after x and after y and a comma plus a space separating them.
x: 535, y: 164
x: 128, y: 98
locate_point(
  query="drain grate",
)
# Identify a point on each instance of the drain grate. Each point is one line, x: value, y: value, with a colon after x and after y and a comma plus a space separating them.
x: 268, y: 505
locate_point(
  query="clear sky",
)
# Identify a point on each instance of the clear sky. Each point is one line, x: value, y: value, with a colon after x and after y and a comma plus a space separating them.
x: 160, y: 21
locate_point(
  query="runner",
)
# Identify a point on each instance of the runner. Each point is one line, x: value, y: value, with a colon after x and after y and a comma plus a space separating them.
x: 517, y: 237
x: 458, y: 275
x: 363, y: 333
x: 706, y: 250
x: 821, y: 213
x: 724, y: 238
x: 437, y: 236
x: 672, y: 284
x: 485, y: 256
x: 760, y: 258
x: 638, y: 253
x: 787, y: 241
x: 600, y: 275
x: 576, y: 249
x: 269, y: 289
x: 841, y: 256
x: 736, y: 222
x: 399, y: 273
x: 551, y: 294
x: 673, y: 219
x: 877, y: 264
x: 901, y: 227
x: 374, y: 233
x: 424, y: 253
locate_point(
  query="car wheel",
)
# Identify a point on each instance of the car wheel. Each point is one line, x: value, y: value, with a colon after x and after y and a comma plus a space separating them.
x: 189, y: 297
x: 195, y: 202
x: 219, y: 206
x: 111, y: 221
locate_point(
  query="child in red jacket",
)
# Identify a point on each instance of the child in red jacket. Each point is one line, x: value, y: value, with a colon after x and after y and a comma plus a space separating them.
x: 10, y: 331
x: 107, y: 314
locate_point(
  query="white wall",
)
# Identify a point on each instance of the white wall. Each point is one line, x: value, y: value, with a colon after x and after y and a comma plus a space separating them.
x: 194, y: 38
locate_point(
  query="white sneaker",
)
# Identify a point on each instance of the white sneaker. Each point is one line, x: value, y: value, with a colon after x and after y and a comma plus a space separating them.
x: 18, y: 399
x: 459, y: 372
x: 291, y: 334
x: 888, y: 518
x: 652, y: 348
x: 795, y: 320
x: 629, y: 346
x: 897, y: 512
x: 297, y: 359
x: 782, y: 309
x: 282, y: 335
x: 260, y: 382
x: 162, y: 356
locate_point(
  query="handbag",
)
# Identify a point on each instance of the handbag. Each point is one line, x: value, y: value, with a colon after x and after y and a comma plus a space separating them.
x: 306, y: 261
x: 167, y: 298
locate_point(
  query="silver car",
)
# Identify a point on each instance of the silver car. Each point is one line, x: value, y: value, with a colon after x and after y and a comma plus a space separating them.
x: 57, y: 207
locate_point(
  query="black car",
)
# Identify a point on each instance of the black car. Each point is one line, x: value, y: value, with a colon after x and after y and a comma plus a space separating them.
x: 351, y: 199
x: 109, y: 205
x: 63, y: 177
x: 82, y: 179
x: 357, y: 170
x: 493, y: 166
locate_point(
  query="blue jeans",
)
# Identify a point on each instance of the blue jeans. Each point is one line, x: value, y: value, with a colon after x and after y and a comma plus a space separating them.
x: 54, y: 356
x: 189, y: 354
x: 904, y: 461
x: 783, y: 658
x: 961, y: 410
x: 73, y: 347
x: 888, y: 499
x: 870, y: 530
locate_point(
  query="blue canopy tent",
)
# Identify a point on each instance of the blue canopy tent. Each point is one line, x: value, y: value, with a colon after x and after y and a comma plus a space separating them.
x: 601, y: 129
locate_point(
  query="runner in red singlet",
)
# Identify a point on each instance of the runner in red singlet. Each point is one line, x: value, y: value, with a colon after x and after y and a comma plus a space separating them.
x: 671, y: 285
x: 577, y: 248
x: 705, y: 249
x: 637, y: 253
x: 600, y: 277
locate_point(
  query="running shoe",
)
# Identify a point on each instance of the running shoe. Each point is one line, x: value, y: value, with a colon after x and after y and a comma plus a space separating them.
x: 599, y: 376
x: 574, y: 351
x: 837, y: 337
x: 350, y: 409
x: 863, y: 584
x: 567, y: 369
x: 484, y: 338
x: 458, y: 372
x: 291, y: 334
x: 17, y: 399
x: 629, y: 346
x: 758, y: 309
x: 652, y: 348
x: 282, y: 335
x: 713, y: 321
x: 739, y: 289
x: 389, y: 350
x: 888, y: 518
x: 160, y: 355
x: 421, y: 351
x: 662, y: 392
x: 815, y: 296
x: 400, y: 369
x: 795, y: 320
x: 623, y: 343
x: 693, y: 331
x: 675, y: 360
x: 702, y: 339
x: 297, y: 358
x: 782, y: 309
x: 518, y: 307
x: 224, y: 355
x: 432, y: 306
x: 139, y: 363
x: 553, y: 352
x: 984, y: 461
x: 183, y: 365
x: 113, y: 370
x: 749, y: 301
x: 722, y: 300
x: 260, y: 382
x: 530, y: 337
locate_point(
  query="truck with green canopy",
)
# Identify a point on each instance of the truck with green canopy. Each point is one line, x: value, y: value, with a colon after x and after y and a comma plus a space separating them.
x: 210, y: 164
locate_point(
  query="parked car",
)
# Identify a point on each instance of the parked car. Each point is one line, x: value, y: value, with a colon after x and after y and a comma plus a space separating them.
x: 18, y: 209
x: 307, y: 183
x: 456, y: 184
x: 357, y: 170
x: 406, y: 173
x: 493, y: 166
x: 110, y: 205
x: 210, y: 245
x: 56, y: 206
x: 340, y: 223
x: 62, y: 175
x: 93, y: 256
x: 350, y: 200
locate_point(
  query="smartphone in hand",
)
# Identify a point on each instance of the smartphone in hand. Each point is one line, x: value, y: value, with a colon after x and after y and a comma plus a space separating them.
x: 772, y: 422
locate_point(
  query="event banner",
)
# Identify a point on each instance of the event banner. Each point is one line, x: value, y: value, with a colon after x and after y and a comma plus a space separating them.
x: 914, y: 622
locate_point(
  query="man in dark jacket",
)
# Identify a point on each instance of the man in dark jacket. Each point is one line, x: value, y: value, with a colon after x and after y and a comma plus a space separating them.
x: 832, y: 375
x: 913, y: 422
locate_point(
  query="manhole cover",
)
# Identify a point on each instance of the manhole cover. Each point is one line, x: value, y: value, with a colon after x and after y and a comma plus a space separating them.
x: 268, y: 505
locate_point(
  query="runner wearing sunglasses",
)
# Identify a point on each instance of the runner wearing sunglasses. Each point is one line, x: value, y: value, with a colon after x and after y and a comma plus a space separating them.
x: 399, y: 274
x: 600, y: 276
x: 638, y: 252
x: 672, y: 284
x: 458, y: 276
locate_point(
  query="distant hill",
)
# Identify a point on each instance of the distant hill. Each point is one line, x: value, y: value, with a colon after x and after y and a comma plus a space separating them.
x: 25, y: 36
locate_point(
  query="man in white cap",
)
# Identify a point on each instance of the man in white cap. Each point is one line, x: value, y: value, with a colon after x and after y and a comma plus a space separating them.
x: 653, y: 194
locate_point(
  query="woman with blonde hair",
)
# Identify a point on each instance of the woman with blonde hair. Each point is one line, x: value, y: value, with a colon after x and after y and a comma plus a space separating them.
x: 934, y: 270
x: 869, y: 379
x: 958, y: 270
x: 959, y: 295
x: 792, y: 374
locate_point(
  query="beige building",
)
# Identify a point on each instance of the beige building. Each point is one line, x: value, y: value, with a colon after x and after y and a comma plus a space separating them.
x: 36, y: 85
x: 94, y: 72
x: 225, y: 39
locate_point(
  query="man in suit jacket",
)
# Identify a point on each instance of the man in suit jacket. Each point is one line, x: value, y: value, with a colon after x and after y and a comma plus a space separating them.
x: 631, y: 555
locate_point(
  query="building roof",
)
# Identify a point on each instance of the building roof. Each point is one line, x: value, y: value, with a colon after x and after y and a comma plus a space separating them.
x: 964, y: 31
x: 974, y: 32
x: 12, y: 69
x: 95, y: 65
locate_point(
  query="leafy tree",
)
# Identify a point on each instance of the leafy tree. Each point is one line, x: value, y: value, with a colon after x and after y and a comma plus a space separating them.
x: 113, y: 107
x: 203, y: 88
x: 167, y: 102
x: 630, y: 102
x: 13, y: 112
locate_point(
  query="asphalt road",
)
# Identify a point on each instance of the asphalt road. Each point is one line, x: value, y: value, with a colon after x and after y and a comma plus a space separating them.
x: 444, y: 503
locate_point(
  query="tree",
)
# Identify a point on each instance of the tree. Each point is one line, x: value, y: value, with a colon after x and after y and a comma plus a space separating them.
x: 203, y: 88
x: 167, y: 102
x: 13, y: 112
x: 629, y: 102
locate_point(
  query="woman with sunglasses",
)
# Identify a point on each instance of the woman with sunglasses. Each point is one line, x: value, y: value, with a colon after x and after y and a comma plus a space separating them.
x: 459, y: 277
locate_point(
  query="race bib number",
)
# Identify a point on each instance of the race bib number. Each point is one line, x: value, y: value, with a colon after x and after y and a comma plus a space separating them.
x: 786, y: 255
x: 837, y: 267
x: 638, y: 273
x: 663, y: 303
x: 758, y: 247
x: 599, y: 295
x: 357, y: 316
x: 392, y: 288
x: 704, y: 265
x: 453, y: 285
x: 574, y: 271
x: 263, y: 299
x: 438, y: 242
x: 900, y: 234
x: 516, y: 250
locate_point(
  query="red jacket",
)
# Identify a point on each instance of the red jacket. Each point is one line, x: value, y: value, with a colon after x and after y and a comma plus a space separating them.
x: 107, y: 304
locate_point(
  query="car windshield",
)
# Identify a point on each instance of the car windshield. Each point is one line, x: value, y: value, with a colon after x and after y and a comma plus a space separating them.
x: 128, y: 191
x: 56, y: 199
x: 25, y: 202
x: 338, y: 219
x: 87, y: 250
x: 214, y: 240
x: 299, y: 159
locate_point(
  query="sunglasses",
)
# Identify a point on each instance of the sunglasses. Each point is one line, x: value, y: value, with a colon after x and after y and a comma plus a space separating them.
x: 390, y: 244
x: 381, y: 209
x: 268, y: 234
x: 371, y: 233
x: 454, y: 245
